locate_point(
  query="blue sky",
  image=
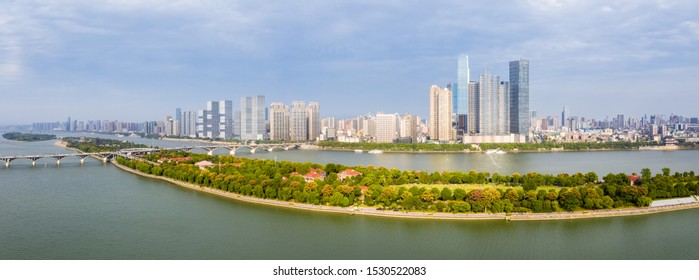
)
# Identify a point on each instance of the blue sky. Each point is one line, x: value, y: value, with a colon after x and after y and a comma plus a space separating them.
x: 138, y: 60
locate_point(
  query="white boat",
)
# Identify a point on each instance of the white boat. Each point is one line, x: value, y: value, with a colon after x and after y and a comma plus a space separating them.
x: 376, y: 152
x: 358, y: 151
x: 495, y: 152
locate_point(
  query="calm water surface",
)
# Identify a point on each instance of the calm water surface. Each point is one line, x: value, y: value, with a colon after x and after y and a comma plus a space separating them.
x: 96, y: 211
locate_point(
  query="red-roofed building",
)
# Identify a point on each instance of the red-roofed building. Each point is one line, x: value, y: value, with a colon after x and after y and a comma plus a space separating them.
x: 347, y: 173
x: 633, y: 179
x: 174, y: 159
x: 313, y: 175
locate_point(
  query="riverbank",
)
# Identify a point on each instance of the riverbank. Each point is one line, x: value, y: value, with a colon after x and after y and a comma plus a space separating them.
x: 367, y: 211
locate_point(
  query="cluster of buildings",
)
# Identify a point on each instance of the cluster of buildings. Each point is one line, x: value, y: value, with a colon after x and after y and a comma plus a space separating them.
x: 484, y: 111
x: 253, y: 121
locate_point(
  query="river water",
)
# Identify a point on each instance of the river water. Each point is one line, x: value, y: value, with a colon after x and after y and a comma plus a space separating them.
x: 96, y: 211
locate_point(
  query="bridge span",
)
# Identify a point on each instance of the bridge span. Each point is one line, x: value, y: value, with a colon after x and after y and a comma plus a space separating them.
x: 128, y: 153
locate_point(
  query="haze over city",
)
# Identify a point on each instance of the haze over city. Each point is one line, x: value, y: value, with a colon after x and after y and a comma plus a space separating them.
x: 138, y: 60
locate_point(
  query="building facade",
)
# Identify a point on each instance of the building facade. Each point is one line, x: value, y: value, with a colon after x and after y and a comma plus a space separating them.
x: 313, y: 121
x: 520, y: 120
x: 279, y: 122
x: 298, y: 122
x: 252, y: 118
x: 441, y: 114
x: 387, y: 128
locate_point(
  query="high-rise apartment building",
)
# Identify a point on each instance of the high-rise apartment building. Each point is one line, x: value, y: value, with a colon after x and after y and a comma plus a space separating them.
x: 409, y: 126
x: 298, y: 121
x: 492, y: 105
x: 313, y: 121
x: 441, y: 114
x: 520, y: 120
x: 252, y: 118
x: 386, y: 128
x: 279, y: 122
x: 473, y: 119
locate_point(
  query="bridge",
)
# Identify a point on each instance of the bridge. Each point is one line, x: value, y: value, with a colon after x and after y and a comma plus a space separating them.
x: 128, y: 153
x: 104, y: 157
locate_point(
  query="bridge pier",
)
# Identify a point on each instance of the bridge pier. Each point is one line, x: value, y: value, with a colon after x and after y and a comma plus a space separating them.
x: 58, y: 159
x: 82, y: 158
x: 34, y: 159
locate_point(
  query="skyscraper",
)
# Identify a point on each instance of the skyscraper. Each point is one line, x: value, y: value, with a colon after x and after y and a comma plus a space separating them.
x: 216, y: 121
x: 298, y: 121
x: 252, y: 117
x: 461, y: 90
x: 279, y: 122
x: 473, y: 108
x: 440, y: 114
x: 487, y: 91
x: 520, y: 120
x: 313, y: 121
x: 225, y: 116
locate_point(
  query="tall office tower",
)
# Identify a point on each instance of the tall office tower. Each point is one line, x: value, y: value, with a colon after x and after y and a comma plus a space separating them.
x: 487, y: 91
x: 461, y: 89
x: 520, y: 120
x: 225, y: 116
x: 473, y: 109
x: 188, y: 124
x: 386, y: 127
x: 409, y: 127
x: 620, y: 122
x: 236, y: 124
x: 178, y: 118
x: 313, y: 121
x: 298, y: 122
x: 279, y: 122
x: 565, y: 114
x: 503, y: 109
x: 440, y: 114
x: 252, y: 118
x: 208, y: 121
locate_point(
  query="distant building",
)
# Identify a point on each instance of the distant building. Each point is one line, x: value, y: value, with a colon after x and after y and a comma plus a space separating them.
x: 520, y: 120
x: 216, y: 121
x: 441, y: 114
x: 313, y: 121
x: 298, y: 122
x: 279, y: 122
x: 252, y: 117
x: 386, y: 128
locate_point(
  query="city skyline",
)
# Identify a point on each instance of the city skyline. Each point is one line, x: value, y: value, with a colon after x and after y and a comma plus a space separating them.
x: 128, y: 60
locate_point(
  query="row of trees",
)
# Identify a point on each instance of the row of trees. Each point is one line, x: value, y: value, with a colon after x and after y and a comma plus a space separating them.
x: 417, y: 191
x: 28, y: 137
x: 98, y: 145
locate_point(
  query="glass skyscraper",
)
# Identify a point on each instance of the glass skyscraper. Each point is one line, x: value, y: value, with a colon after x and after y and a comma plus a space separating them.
x: 461, y: 88
x: 520, y: 120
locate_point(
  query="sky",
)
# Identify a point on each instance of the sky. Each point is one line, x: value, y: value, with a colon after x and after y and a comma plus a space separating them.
x: 139, y: 60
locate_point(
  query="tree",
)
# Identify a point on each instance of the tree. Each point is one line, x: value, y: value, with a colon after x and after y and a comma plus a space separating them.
x: 460, y: 194
x: 666, y: 171
x: 445, y: 194
x: 646, y: 175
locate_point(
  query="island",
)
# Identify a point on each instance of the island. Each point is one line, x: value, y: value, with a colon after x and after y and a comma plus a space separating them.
x: 28, y: 137
x: 381, y: 191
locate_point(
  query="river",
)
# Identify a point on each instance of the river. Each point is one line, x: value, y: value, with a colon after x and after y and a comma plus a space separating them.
x: 97, y: 211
